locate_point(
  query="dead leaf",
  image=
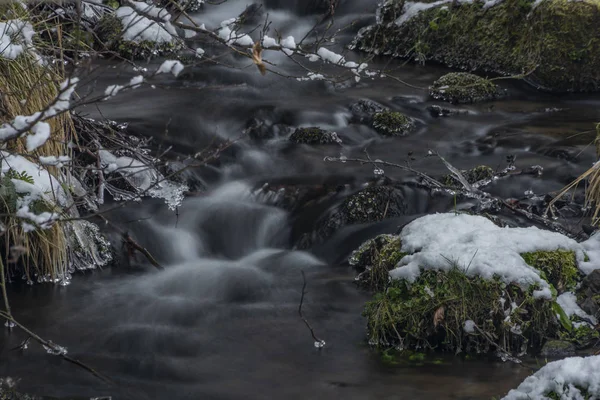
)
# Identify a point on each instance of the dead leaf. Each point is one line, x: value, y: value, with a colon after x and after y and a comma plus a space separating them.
x: 257, y: 58
x: 438, y: 317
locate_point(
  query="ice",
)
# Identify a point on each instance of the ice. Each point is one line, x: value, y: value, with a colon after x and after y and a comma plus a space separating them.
x: 319, y: 344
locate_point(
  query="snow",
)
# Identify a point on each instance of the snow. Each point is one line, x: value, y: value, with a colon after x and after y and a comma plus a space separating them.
x: 330, y: 56
x: 289, y: 43
x: 564, y: 378
x: 592, y: 250
x: 199, y: 52
x: 568, y: 302
x: 39, y: 130
x: 15, y: 38
x: 469, y: 326
x: 44, y: 187
x: 170, y: 66
x: 269, y: 42
x: 134, y: 83
x: 54, y: 161
x: 442, y: 241
x: 138, y: 28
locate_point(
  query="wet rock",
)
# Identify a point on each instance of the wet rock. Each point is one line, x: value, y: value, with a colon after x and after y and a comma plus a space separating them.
x: 392, y: 123
x: 461, y: 87
x: 556, y: 42
x: 589, y: 294
x: 363, y: 111
x: 314, y: 135
x: 437, y: 111
x: 369, y: 205
x: 558, y: 348
x: 473, y: 175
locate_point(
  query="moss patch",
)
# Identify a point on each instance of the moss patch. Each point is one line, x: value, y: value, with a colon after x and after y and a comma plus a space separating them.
x: 557, y: 43
x: 314, y: 135
x: 392, y: 123
x: 431, y: 314
x: 374, y: 259
x: 559, y: 267
x: 461, y: 87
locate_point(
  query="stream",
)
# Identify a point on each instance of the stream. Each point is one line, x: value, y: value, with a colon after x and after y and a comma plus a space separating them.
x: 221, y: 321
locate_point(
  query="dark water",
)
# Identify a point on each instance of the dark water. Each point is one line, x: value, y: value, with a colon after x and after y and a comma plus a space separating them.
x: 221, y: 321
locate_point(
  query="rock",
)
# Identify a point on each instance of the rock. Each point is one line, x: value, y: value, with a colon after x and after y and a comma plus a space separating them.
x: 363, y: 111
x: 461, y: 87
x: 555, y: 42
x: 372, y: 204
x: 392, y: 123
x: 314, y: 135
x: 558, y: 348
x: 438, y: 111
x: 589, y: 294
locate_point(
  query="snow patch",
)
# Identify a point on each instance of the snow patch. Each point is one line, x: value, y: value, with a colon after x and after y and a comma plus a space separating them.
x: 565, y: 378
x: 568, y: 302
x: 475, y: 244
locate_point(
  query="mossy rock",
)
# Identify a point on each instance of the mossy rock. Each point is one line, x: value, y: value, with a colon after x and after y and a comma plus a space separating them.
x: 462, y: 87
x: 392, y: 123
x: 558, y: 267
x: 555, y: 44
x: 431, y: 314
x: 314, y: 135
x: 473, y: 175
x: 372, y: 204
x: 375, y: 258
x: 558, y: 348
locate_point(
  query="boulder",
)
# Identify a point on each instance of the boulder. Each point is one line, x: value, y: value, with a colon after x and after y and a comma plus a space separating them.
x: 554, y: 44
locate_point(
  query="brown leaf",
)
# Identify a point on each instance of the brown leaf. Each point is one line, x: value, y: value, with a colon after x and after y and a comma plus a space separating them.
x: 257, y: 58
x: 438, y: 317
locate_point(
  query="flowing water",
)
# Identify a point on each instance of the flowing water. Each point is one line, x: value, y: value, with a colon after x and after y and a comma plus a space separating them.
x: 221, y: 322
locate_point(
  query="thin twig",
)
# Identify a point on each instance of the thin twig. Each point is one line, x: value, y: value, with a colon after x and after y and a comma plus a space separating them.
x: 318, y: 342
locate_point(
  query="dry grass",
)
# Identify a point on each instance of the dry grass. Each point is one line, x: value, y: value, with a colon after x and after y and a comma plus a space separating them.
x: 27, y: 87
x: 591, y: 178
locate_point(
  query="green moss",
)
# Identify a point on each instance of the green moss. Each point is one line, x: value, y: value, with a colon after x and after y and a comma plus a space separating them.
x: 557, y: 44
x: 375, y: 258
x: 558, y: 266
x: 392, y: 123
x: 473, y: 175
x: 313, y: 135
x: 430, y: 314
x: 461, y: 87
